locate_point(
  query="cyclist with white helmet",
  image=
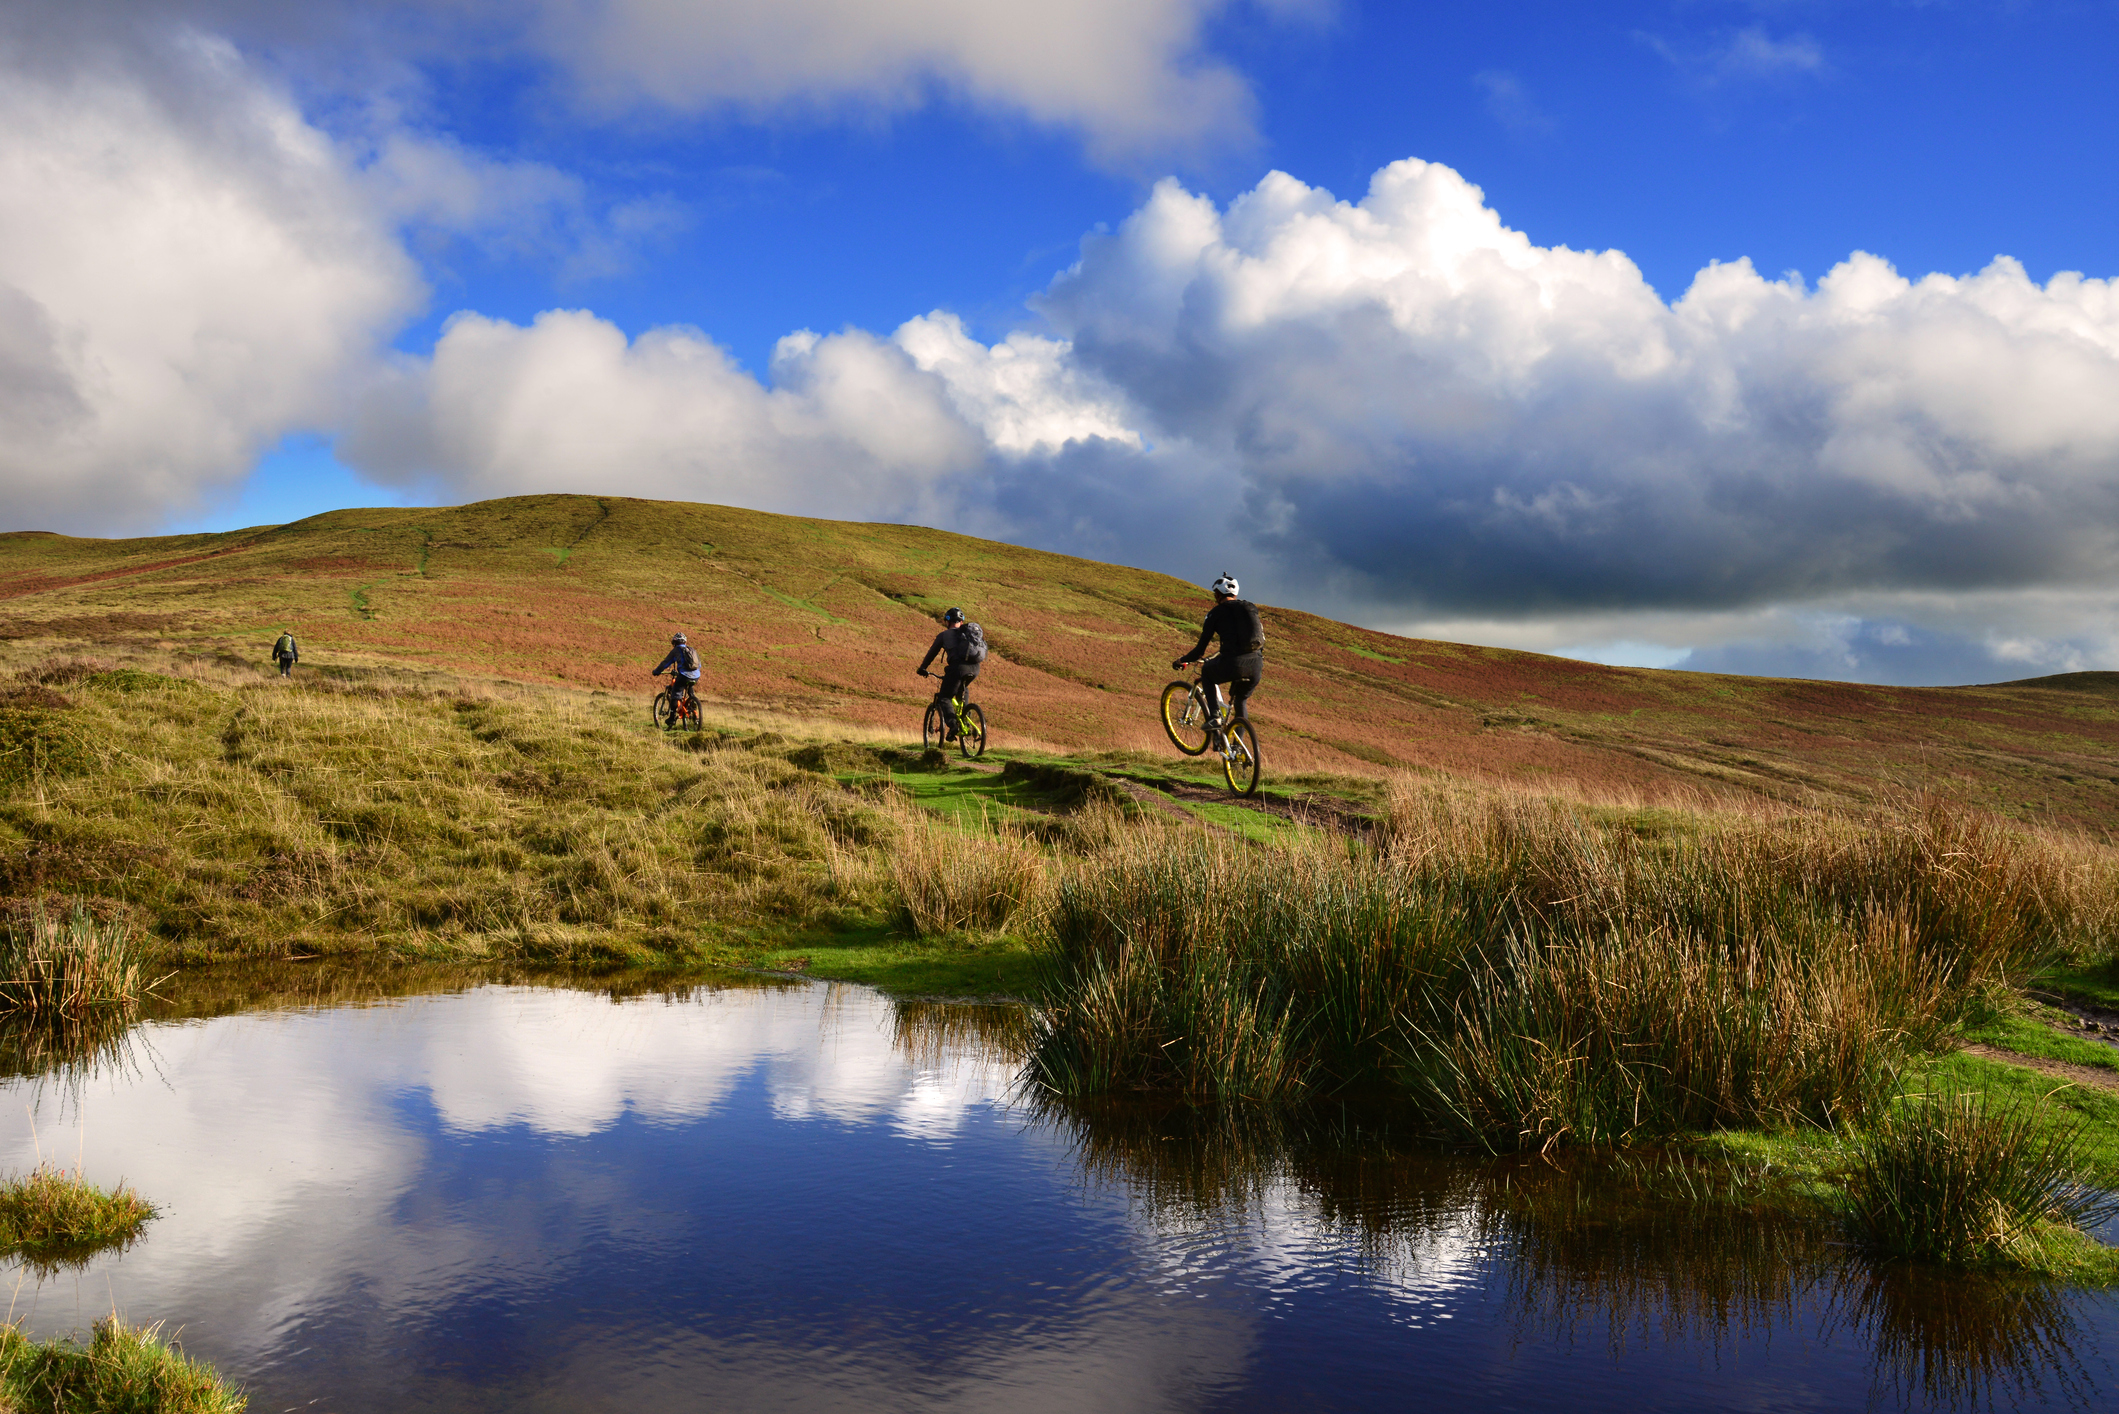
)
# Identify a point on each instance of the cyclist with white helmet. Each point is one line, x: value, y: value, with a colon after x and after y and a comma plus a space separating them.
x: 1241, y: 661
x: 686, y: 661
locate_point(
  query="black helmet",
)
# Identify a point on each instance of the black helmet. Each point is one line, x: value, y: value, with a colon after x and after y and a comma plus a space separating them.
x: 952, y: 616
x: 676, y: 638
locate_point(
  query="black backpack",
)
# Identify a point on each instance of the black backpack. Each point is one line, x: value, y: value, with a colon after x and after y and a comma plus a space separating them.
x: 974, y: 644
x: 1254, y: 628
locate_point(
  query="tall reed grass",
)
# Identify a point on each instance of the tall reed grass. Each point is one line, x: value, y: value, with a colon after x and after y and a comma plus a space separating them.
x: 70, y: 969
x: 1966, y: 1181
x: 953, y: 879
x: 1532, y: 975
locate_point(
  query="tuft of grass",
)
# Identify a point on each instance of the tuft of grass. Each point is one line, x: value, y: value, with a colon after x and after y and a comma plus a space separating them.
x: 122, y: 1370
x: 70, y: 969
x: 1966, y: 1181
x: 953, y: 880
x: 1534, y: 973
x: 52, y: 1217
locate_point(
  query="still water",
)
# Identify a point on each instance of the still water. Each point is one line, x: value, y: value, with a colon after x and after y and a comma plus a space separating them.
x: 804, y: 1196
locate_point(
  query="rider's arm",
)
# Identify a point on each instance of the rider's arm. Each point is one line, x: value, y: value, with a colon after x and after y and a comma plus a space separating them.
x: 933, y: 648
x: 667, y: 663
x: 1206, y: 633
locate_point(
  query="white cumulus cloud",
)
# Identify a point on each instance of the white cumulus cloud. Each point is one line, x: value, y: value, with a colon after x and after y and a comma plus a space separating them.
x: 187, y: 272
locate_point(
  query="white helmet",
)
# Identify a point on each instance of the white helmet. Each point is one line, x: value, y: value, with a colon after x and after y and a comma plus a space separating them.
x: 1226, y: 585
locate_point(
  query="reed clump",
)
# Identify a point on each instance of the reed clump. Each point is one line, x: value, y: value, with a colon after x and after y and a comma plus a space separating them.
x: 954, y: 880
x: 71, y: 969
x: 50, y: 1216
x: 122, y: 1368
x: 1966, y: 1181
x: 1532, y: 974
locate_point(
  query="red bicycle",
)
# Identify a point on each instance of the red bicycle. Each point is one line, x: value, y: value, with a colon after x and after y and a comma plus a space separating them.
x: 675, y: 709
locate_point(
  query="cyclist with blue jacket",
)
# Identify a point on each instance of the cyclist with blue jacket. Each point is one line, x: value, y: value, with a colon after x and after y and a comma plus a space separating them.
x: 686, y: 662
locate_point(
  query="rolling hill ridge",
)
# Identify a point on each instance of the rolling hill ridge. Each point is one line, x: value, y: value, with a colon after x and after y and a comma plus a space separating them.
x: 827, y: 619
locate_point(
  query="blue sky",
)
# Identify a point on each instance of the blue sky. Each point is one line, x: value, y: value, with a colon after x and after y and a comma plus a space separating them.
x: 314, y: 272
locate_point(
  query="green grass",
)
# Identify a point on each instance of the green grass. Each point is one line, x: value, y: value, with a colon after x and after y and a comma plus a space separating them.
x: 121, y: 1370
x: 267, y: 819
x: 2096, y: 1110
x: 966, y: 967
x: 50, y: 1216
x: 2039, y: 1031
x: 1974, y: 1179
x: 2094, y: 982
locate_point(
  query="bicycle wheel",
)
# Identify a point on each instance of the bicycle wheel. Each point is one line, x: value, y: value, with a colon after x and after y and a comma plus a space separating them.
x: 694, y: 720
x: 1184, y: 712
x: 664, y: 710
x: 1239, y: 759
x: 972, y: 740
x: 931, y: 728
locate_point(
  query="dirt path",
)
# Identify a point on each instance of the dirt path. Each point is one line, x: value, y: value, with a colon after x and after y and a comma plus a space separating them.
x: 2093, y: 1077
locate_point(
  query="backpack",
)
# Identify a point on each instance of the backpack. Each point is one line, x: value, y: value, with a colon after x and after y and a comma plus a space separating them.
x: 687, y: 660
x: 974, y: 645
x: 285, y: 647
x: 1254, y: 627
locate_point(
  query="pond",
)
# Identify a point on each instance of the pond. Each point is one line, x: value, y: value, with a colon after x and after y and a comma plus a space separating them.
x: 752, y: 1194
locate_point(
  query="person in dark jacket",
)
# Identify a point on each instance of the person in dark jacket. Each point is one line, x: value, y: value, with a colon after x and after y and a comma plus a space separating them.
x: 686, y: 662
x: 286, y: 653
x: 1241, y: 661
x: 962, y: 647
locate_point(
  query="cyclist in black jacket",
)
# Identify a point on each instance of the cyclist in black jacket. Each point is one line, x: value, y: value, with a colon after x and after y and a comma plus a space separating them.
x: 1241, y: 661
x: 962, y: 647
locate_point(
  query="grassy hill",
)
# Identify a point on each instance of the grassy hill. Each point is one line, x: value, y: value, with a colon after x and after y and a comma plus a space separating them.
x: 826, y: 619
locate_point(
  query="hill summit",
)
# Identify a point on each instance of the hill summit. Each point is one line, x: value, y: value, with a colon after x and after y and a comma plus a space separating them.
x: 827, y: 619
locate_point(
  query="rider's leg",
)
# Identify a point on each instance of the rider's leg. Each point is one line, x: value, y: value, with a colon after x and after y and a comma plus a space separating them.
x: 1211, y: 676
x: 1244, y: 674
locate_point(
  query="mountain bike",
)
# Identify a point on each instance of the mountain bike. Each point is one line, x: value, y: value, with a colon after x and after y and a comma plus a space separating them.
x: 1193, y: 730
x: 674, y: 710
x: 963, y: 716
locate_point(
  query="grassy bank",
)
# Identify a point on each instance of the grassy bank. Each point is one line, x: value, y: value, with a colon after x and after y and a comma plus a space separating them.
x: 121, y: 1370
x: 231, y: 817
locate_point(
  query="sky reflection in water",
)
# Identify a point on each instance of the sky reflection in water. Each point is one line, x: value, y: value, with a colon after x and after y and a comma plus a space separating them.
x: 804, y: 1197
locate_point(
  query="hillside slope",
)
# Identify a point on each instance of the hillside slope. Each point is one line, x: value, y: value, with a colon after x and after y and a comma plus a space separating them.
x: 828, y: 618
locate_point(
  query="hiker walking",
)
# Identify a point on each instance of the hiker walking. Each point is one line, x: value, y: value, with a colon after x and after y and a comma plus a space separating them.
x: 286, y: 653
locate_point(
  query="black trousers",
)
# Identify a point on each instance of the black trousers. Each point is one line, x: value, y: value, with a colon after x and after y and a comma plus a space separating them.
x: 955, y: 683
x: 1240, y: 671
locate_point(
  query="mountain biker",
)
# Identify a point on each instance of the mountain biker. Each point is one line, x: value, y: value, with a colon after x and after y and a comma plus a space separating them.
x: 1241, y: 661
x: 286, y: 653
x: 963, y: 648
x: 686, y: 662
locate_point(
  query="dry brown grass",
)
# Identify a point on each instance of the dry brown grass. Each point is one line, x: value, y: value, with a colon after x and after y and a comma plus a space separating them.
x: 952, y: 880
